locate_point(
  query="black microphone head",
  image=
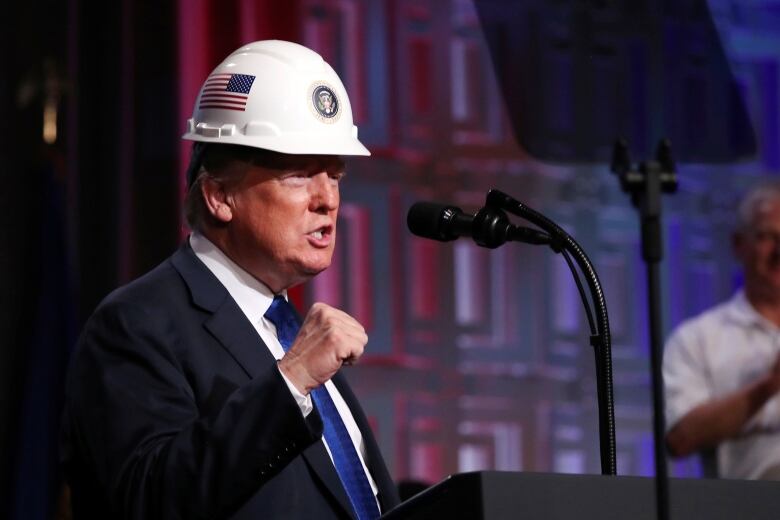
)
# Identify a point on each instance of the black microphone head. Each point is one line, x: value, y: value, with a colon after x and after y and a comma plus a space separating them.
x: 431, y: 220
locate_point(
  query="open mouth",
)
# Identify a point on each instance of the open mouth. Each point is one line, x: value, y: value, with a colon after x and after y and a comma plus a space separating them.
x: 322, y: 234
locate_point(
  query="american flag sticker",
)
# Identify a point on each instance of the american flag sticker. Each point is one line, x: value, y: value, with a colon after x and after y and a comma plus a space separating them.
x: 227, y: 91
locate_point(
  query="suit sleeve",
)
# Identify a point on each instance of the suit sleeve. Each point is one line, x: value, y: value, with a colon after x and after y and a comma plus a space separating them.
x: 132, y: 415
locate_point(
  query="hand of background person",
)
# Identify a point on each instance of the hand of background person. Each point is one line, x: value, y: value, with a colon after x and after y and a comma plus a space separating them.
x: 328, y: 339
x: 772, y: 378
x: 724, y: 417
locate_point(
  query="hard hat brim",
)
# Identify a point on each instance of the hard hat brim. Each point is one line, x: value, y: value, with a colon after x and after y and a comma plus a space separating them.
x: 291, y: 143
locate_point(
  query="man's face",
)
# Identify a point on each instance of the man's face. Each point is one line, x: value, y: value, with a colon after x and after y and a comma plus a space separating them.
x: 283, y: 226
x: 759, y: 248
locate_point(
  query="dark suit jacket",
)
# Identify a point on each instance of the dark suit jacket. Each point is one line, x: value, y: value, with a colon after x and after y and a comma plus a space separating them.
x: 176, y: 409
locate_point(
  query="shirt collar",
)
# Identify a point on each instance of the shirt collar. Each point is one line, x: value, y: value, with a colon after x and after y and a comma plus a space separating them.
x: 252, y: 296
x: 742, y: 311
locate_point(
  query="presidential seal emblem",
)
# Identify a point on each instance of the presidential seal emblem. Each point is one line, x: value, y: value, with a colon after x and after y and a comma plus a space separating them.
x: 325, y: 103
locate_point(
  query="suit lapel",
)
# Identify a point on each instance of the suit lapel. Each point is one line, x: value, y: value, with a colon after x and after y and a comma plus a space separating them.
x: 233, y: 331
x: 231, y: 328
x: 227, y: 323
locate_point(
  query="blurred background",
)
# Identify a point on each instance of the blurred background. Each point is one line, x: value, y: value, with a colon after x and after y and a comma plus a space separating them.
x: 477, y: 359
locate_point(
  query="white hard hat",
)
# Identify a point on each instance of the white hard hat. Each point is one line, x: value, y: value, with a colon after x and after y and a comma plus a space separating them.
x: 279, y: 96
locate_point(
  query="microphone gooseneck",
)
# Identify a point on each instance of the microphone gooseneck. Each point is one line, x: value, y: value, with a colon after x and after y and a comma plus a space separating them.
x: 490, y: 227
x: 600, y: 338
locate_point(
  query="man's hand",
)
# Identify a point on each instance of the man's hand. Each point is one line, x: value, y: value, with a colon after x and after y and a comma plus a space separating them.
x: 772, y: 378
x: 328, y: 339
x: 723, y: 418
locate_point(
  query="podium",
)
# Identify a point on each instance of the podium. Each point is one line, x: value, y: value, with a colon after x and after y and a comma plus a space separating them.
x: 507, y: 495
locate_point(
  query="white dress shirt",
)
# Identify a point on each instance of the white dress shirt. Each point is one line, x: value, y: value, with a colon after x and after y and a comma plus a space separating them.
x: 717, y: 353
x: 254, y: 298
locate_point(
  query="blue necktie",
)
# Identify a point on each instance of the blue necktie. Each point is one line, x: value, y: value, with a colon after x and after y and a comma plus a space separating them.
x: 345, y: 457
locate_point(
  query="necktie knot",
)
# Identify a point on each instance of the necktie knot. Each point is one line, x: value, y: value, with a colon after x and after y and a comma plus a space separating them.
x: 284, y: 317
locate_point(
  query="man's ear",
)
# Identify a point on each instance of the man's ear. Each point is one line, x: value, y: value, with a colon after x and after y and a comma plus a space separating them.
x: 216, y: 199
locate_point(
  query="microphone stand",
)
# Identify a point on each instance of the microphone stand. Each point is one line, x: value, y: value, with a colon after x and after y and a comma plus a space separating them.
x: 600, y: 340
x: 645, y: 186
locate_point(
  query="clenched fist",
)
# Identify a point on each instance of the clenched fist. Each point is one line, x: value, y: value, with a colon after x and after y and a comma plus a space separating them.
x: 328, y: 339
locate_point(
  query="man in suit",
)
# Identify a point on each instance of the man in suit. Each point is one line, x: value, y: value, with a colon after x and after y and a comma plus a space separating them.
x: 196, y: 392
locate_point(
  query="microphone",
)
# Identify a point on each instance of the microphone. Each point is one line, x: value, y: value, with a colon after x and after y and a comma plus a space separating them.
x: 489, y: 227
